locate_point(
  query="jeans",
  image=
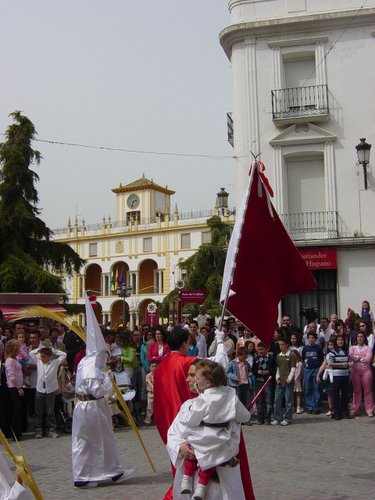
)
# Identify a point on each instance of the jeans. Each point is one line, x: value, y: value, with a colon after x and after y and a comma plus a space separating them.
x: 45, y: 407
x: 312, y: 389
x: 287, y: 391
x: 264, y: 403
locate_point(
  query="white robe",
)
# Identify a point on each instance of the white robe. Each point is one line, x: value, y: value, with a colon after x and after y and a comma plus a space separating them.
x: 214, y: 445
x: 9, y: 488
x: 230, y: 483
x: 95, y: 456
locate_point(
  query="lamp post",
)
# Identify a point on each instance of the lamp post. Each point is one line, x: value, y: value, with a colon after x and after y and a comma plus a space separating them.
x: 363, y: 152
x: 124, y: 291
x: 222, y: 203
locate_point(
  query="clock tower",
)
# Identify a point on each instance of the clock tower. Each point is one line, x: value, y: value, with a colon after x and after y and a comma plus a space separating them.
x: 142, y: 200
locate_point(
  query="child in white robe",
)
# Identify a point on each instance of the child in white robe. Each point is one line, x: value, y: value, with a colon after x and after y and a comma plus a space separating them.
x: 95, y: 455
x: 208, y: 426
x: 11, y: 489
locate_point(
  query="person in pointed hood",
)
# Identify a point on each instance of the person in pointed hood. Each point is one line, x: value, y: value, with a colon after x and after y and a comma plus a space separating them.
x: 95, y: 455
x: 11, y: 489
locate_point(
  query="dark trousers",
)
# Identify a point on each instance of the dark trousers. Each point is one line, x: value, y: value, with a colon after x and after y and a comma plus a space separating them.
x: 341, y: 395
x: 45, y: 407
x: 16, y: 402
x: 243, y: 392
x: 264, y: 402
x: 28, y: 405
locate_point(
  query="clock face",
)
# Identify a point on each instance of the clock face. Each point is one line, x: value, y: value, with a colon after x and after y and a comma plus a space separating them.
x: 133, y: 201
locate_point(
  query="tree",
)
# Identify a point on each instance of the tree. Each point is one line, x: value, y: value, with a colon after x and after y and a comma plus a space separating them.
x: 205, y: 268
x: 27, y: 255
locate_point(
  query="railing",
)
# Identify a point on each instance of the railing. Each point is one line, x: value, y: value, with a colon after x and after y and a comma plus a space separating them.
x: 300, y: 101
x: 200, y: 214
x: 311, y: 225
x: 230, y: 130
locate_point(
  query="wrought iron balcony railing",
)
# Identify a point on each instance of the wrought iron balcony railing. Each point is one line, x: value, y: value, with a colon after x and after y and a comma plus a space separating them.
x: 299, y: 102
x: 230, y: 131
x: 311, y: 225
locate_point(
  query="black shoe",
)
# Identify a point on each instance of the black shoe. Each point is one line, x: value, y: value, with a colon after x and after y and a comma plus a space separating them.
x: 336, y: 417
x: 347, y: 416
x: 316, y: 412
x: 116, y: 478
x: 309, y: 412
x: 80, y: 484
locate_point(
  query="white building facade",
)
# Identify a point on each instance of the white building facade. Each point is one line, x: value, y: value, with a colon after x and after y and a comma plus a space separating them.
x: 303, y: 85
x: 140, y: 249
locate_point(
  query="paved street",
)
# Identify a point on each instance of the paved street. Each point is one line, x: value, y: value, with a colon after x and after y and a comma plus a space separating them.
x: 315, y: 458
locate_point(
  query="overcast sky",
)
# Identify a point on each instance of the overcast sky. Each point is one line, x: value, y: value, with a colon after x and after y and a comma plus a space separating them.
x: 146, y: 75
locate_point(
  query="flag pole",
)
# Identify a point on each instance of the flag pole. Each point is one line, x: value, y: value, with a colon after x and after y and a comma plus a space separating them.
x: 229, y: 284
x: 224, y: 305
x: 257, y: 395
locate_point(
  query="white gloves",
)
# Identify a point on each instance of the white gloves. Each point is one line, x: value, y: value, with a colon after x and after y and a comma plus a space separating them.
x: 219, y: 335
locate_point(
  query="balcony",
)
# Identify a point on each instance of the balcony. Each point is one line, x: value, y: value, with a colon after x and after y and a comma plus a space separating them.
x: 300, y: 104
x: 311, y: 225
x: 230, y: 131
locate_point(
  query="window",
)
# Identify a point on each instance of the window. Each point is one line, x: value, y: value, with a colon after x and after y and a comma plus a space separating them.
x: 147, y: 244
x: 301, y: 72
x: 185, y: 241
x: 93, y: 249
x: 206, y: 237
x: 132, y: 217
x: 306, y: 191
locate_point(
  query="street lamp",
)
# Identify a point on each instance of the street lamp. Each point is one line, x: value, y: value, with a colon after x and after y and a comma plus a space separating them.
x: 363, y: 152
x: 124, y: 291
x: 222, y: 203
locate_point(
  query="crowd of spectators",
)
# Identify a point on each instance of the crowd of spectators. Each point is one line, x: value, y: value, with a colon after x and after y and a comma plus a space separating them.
x: 328, y: 360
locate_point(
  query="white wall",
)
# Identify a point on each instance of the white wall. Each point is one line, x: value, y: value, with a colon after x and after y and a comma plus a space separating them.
x: 352, y: 112
x: 356, y: 278
x: 254, y: 10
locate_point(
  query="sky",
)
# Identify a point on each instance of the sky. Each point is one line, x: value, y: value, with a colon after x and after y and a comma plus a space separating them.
x: 139, y: 75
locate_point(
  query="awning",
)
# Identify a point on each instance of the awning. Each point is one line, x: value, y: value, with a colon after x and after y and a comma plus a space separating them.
x: 11, y: 312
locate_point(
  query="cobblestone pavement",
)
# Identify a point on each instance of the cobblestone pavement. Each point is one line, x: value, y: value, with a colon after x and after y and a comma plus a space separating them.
x: 316, y: 458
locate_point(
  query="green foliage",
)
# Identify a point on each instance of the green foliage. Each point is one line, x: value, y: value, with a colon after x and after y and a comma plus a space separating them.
x: 205, y: 268
x: 163, y: 306
x: 27, y: 255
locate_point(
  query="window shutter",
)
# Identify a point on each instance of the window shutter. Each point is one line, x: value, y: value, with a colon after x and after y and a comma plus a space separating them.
x: 306, y: 191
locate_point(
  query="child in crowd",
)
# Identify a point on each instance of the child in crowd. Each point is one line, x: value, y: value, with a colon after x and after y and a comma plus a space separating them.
x: 285, y: 370
x: 251, y: 352
x: 238, y: 374
x: 23, y: 357
x: 150, y: 392
x: 263, y: 367
x: 327, y: 372
x: 209, y: 424
x: 250, y: 347
x: 47, y: 361
x: 312, y: 357
x: 298, y: 381
x: 338, y: 360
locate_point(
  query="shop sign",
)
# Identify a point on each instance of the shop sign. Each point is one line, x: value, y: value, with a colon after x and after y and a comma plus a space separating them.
x: 318, y: 259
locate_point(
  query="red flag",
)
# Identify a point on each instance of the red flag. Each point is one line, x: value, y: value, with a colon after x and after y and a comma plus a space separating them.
x: 262, y: 262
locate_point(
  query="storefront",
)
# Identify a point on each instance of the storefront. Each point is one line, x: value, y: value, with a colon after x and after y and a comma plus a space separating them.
x: 322, y: 263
